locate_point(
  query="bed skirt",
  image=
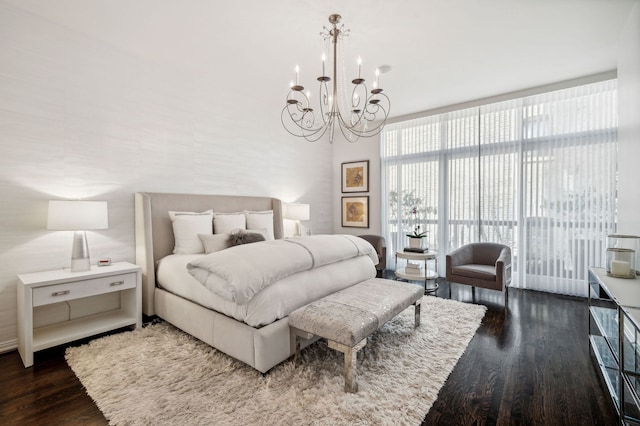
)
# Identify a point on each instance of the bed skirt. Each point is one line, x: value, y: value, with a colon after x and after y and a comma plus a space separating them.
x: 261, y: 348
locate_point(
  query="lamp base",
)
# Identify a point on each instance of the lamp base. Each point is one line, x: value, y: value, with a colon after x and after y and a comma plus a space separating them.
x: 80, y: 265
x: 80, y: 261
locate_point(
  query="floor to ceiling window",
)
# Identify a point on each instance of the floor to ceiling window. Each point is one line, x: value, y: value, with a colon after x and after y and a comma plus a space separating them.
x: 536, y: 173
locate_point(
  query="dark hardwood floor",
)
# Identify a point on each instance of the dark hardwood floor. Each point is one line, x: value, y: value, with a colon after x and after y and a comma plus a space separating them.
x: 46, y: 394
x: 530, y: 366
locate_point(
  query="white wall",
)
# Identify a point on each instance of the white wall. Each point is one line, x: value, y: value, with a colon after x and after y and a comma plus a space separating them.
x: 363, y: 149
x: 79, y: 119
x: 629, y: 125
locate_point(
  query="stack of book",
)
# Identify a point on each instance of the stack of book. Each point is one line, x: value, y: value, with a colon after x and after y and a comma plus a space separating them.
x: 415, y: 250
x: 413, y: 268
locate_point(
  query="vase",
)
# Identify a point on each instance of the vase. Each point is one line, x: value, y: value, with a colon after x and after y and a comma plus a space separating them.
x: 415, y: 242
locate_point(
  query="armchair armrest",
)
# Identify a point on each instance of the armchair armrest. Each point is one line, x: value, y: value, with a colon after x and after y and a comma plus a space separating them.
x: 503, y: 267
x: 383, y: 258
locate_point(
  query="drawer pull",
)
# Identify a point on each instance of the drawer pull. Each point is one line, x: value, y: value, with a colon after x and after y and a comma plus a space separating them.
x: 116, y: 283
x: 60, y: 293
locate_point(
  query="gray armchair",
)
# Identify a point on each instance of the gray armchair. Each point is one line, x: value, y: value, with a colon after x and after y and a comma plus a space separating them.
x: 378, y: 242
x: 486, y: 265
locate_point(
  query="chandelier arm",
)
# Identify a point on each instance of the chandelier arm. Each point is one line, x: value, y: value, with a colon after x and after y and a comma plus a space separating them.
x: 295, y: 112
x: 367, y: 116
x: 297, y: 118
x: 310, y: 134
x: 297, y: 126
x: 315, y: 136
x: 369, y: 131
x: 323, y: 92
x: 355, y: 108
x: 371, y: 114
x: 385, y: 107
x: 350, y: 132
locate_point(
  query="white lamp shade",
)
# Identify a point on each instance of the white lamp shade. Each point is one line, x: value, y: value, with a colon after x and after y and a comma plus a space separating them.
x: 297, y: 212
x: 77, y: 215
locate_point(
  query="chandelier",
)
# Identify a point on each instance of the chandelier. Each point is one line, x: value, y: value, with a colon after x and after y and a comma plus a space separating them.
x: 362, y: 113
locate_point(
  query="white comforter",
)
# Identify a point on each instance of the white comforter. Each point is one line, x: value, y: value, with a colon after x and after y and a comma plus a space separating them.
x: 275, y: 301
x: 239, y: 273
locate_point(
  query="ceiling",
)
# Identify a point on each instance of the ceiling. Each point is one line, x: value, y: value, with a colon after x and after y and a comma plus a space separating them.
x: 442, y: 52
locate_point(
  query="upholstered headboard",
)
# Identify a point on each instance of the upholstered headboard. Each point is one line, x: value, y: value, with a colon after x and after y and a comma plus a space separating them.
x: 154, y: 232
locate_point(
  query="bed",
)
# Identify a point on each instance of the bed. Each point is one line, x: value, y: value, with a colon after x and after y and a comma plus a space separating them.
x: 255, y: 332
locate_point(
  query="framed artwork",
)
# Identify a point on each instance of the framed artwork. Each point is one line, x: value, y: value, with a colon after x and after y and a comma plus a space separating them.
x: 355, y: 176
x: 355, y: 212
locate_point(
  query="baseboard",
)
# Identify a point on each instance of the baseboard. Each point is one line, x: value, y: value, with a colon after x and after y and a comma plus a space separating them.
x: 9, y: 345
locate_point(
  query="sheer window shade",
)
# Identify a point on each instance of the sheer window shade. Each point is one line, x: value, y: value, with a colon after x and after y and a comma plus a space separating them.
x: 535, y: 173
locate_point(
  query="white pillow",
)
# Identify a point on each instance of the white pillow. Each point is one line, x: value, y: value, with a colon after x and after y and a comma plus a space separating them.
x: 214, y: 242
x: 258, y: 221
x: 186, y: 227
x: 226, y: 223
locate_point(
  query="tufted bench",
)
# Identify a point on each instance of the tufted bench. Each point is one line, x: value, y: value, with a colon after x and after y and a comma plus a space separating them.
x: 346, y: 318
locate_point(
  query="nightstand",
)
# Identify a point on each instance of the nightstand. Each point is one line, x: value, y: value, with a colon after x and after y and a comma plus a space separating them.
x: 56, y: 307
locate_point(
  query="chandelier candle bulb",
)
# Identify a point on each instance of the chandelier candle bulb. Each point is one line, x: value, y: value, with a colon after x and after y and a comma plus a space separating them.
x: 297, y: 74
x: 359, y: 66
x: 324, y: 59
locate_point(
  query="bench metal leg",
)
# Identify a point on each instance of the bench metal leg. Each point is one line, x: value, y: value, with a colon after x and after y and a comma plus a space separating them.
x: 296, y: 357
x: 301, y: 336
x: 350, y: 363
x: 417, y: 313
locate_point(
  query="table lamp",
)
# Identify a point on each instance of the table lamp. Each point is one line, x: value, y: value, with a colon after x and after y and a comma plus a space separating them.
x: 78, y: 216
x: 297, y: 212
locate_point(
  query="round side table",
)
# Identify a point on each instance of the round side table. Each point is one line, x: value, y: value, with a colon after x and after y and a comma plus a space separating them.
x: 424, y: 274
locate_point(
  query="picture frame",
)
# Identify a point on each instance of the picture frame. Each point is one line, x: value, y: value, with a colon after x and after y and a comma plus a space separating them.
x: 355, y: 212
x: 355, y: 176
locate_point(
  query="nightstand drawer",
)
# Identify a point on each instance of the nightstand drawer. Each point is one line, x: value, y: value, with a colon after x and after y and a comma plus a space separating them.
x: 74, y: 290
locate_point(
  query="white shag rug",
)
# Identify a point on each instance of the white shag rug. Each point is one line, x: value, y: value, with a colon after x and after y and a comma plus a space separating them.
x: 162, y: 376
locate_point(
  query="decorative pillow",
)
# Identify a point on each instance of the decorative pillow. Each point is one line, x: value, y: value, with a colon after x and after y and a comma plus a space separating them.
x: 214, y: 242
x: 226, y: 223
x: 186, y: 227
x: 264, y: 232
x: 244, y: 237
x: 259, y: 221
